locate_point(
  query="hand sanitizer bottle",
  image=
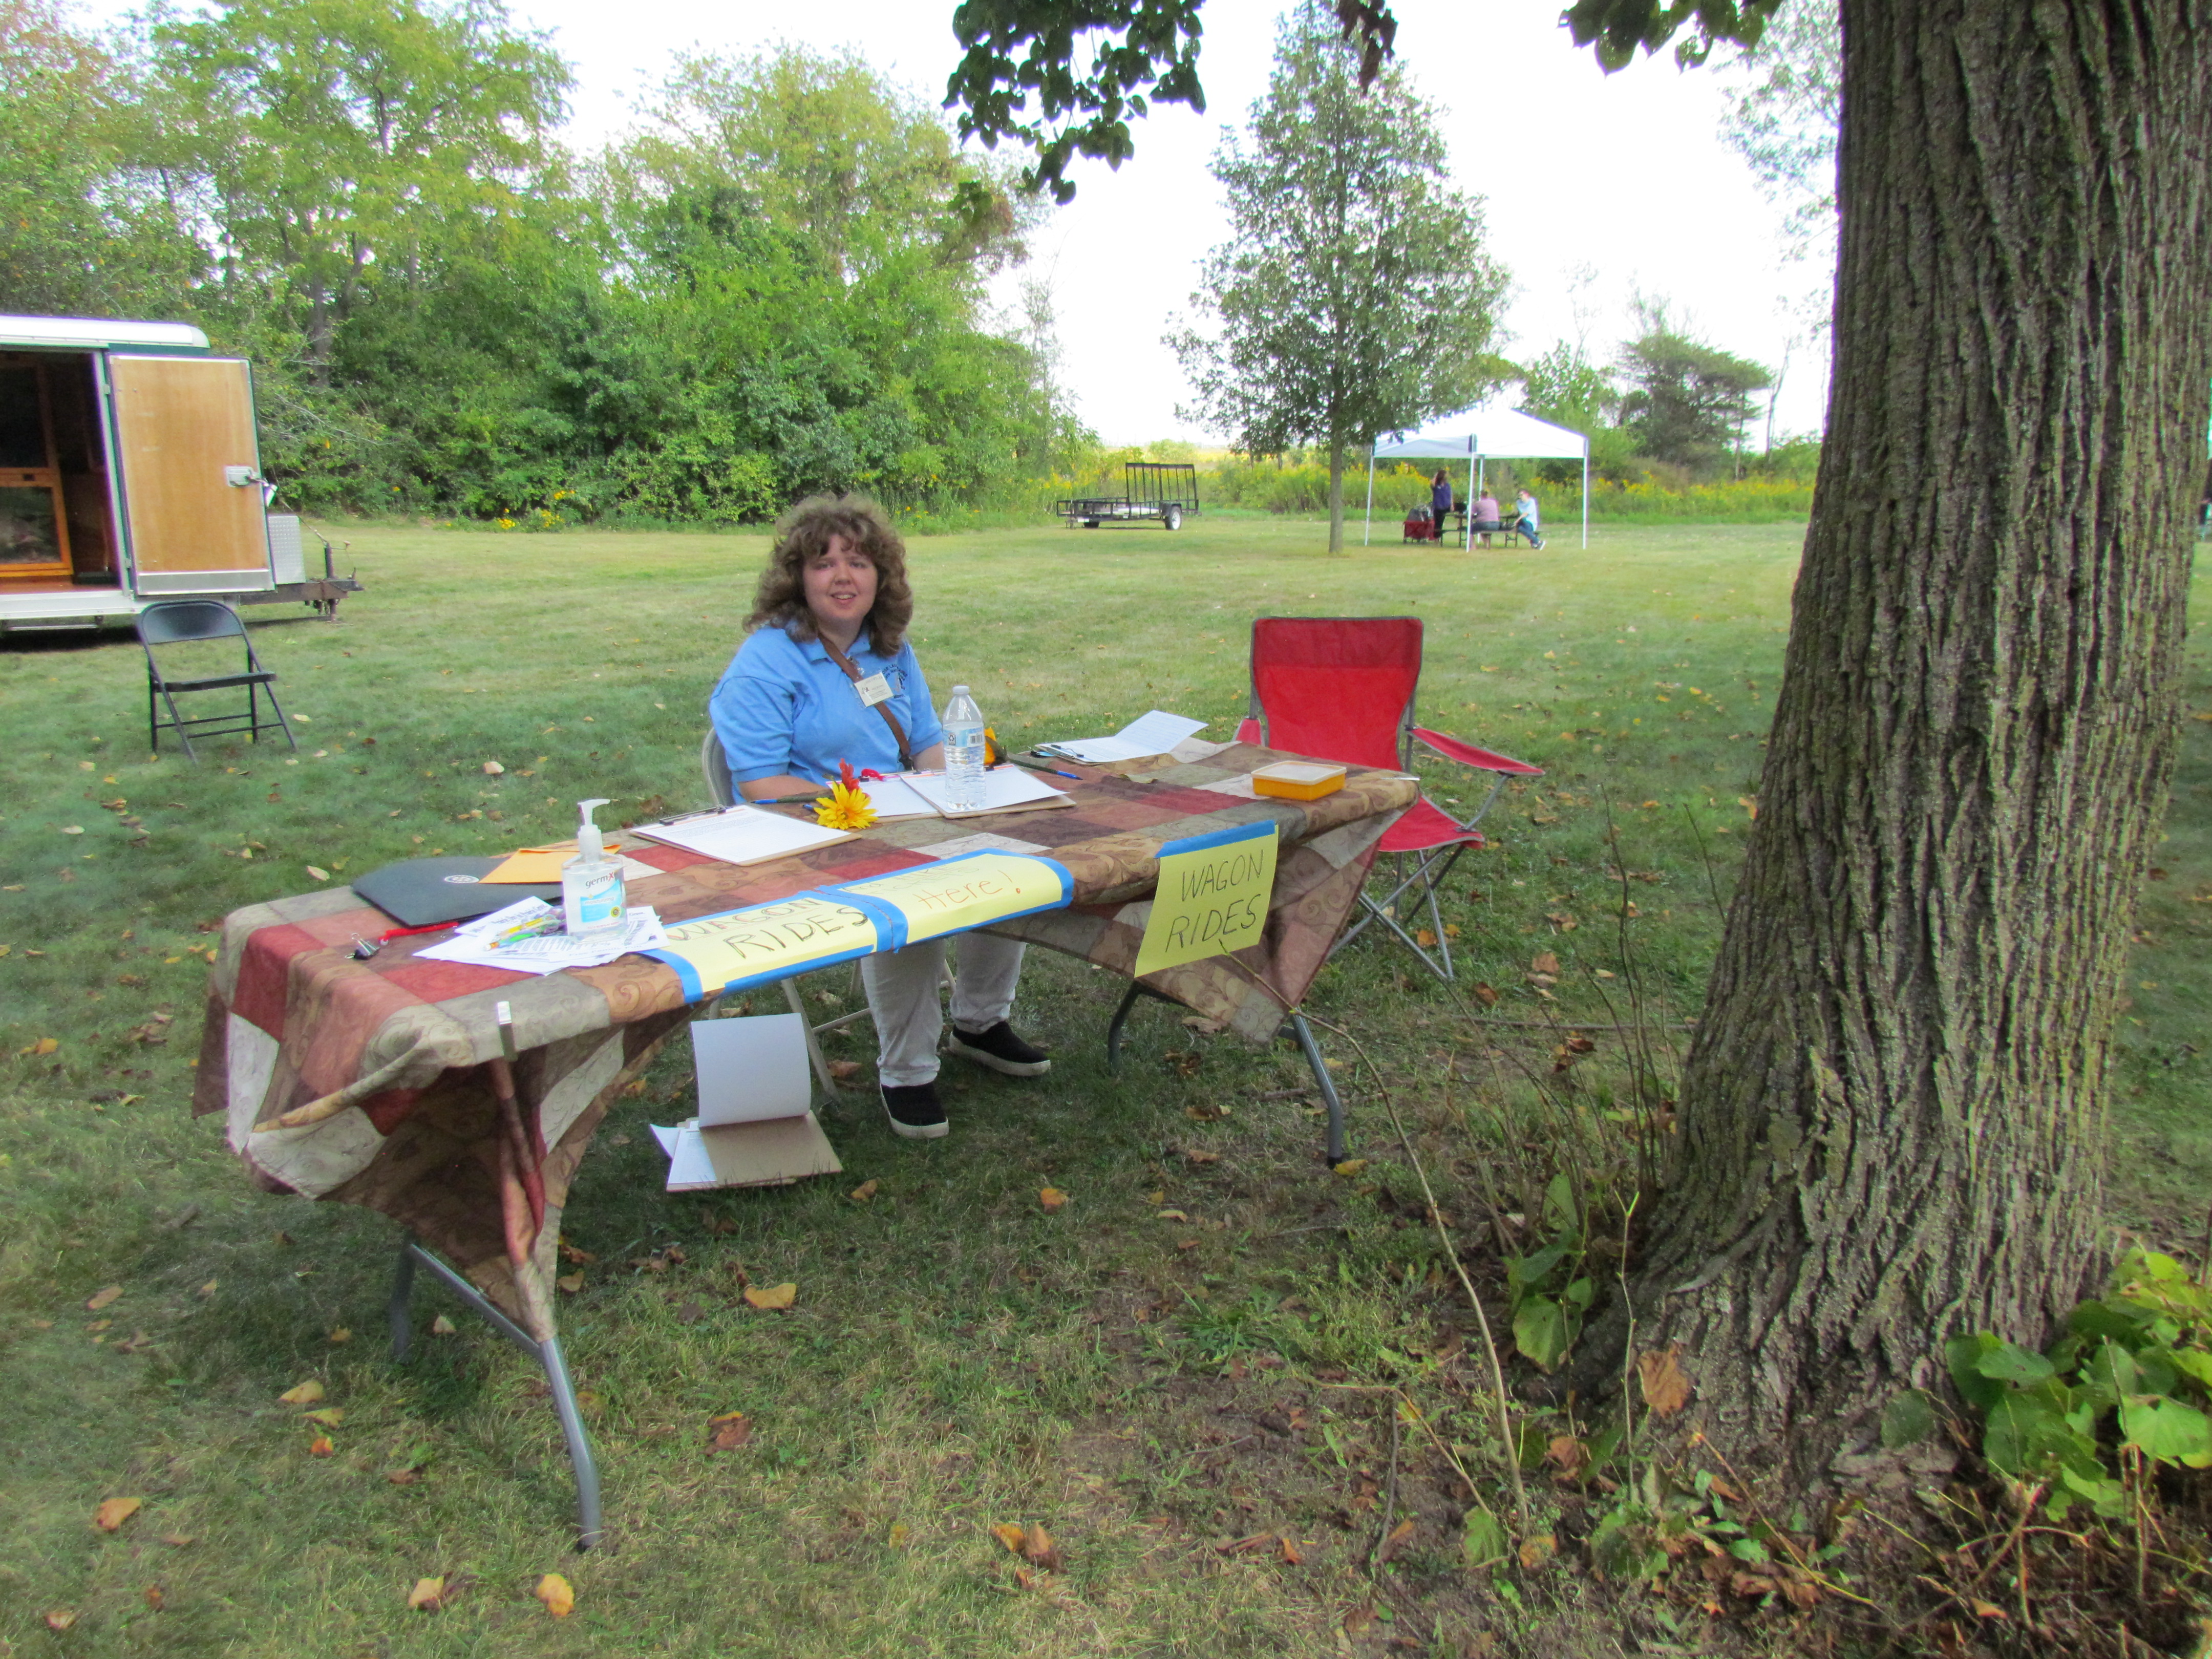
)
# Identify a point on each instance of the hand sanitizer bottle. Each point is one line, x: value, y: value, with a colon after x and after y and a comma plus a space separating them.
x: 591, y: 882
x: 964, y: 751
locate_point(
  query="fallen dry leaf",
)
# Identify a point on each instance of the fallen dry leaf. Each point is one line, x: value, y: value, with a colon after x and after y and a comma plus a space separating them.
x: 1352, y: 1166
x: 1425, y: 939
x: 898, y: 1536
x: 1399, y: 1534
x: 330, y: 1416
x: 1038, y: 1549
x: 441, y: 1326
x: 428, y: 1596
x: 864, y: 1192
x: 318, y: 874
x: 305, y: 1394
x: 1751, y: 1584
x: 403, y: 1477
x: 155, y: 1596
x: 1543, y: 963
x: 1666, y: 1385
x: 1289, y: 1553
x: 115, y: 1511
x: 1172, y: 1215
x: 571, y: 1283
x: 1012, y: 1536
x: 320, y: 1446
x: 177, y: 1540
x: 1358, y: 1621
x: 1567, y: 1452
x: 1051, y: 1197
x: 774, y: 1297
x: 1487, y: 995
x: 1203, y: 1158
x: 728, y: 1432
x: 60, y: 1617
x: 557, y: 1595
x: 100, y: 1299
x: 492, y: 768
x: 844, y: 1071
x: 44, y: 1046
x: 1537, y: 1550
x: 341, y: 1335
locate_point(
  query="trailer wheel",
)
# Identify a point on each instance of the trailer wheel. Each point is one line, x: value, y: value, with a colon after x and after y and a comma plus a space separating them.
x: 1091, y: 523
x: 1171, y: 516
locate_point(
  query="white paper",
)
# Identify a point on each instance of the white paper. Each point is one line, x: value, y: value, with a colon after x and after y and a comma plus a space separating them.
x: 1003, y: 786
x: 688, y: 1163
x: 751, y: 1069
x: 896, y: 797
x: 1241, y: 787
x: 985, y: 842
x: 1155, y: 734
x: 742, y: 835
x: 547, y: 953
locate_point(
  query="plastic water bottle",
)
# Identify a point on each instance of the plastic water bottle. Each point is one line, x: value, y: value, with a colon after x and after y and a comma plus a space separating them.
x: 964, y: 751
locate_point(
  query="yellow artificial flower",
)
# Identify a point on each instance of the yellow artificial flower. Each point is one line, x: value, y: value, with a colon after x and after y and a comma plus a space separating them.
x: 846, y: 806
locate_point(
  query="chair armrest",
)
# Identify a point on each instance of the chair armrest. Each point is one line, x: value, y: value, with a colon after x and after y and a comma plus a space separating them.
x: 1467, y: 755
x: 1248, y: 730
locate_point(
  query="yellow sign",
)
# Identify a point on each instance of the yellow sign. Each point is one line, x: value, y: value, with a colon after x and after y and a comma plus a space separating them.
x: 766, y: 941
x: 954, y: 894
x: 1213, y: 896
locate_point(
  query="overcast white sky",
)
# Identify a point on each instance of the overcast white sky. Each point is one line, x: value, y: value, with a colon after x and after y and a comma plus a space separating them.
x: 1623, y: 174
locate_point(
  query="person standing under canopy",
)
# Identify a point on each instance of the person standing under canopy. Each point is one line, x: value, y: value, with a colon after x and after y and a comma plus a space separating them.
x: 827, y: 674
x: 1440, y: 500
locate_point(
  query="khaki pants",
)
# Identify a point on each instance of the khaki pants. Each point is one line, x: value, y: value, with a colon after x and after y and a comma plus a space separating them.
x: 902, y: 996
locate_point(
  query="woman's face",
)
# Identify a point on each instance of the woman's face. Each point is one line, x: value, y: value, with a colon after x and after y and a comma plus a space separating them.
x: 840, y: 588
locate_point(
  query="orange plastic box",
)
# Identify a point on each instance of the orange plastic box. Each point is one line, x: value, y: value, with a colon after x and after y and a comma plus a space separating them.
x: 1297, y: 779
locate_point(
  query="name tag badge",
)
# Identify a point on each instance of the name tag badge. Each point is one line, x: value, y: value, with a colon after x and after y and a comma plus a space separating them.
x: 873, y: 690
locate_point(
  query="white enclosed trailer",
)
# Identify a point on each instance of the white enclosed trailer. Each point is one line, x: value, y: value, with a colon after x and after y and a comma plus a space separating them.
x: 131, y: 471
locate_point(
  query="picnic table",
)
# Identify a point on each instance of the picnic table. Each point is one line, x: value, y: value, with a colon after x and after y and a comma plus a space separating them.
x: 370, y: 1082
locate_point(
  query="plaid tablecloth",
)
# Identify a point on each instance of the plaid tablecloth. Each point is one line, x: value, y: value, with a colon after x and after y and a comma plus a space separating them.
x: 366, y: 1082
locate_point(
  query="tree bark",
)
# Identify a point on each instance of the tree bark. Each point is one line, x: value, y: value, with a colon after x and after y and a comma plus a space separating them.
x: 1335, y: 494
x: 1891, y: 1114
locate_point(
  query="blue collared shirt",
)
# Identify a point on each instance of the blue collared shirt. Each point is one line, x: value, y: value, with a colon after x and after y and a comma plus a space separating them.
x: 783, y: 707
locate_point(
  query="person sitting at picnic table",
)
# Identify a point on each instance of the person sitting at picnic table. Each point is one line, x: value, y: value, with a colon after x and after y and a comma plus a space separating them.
x: 1440, y: 500
x: 1485, y: 523
x: 827, y: 630
x: 1527, y: 520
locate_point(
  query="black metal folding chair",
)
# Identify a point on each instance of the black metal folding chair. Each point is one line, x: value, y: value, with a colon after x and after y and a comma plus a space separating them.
x: 174, y: 622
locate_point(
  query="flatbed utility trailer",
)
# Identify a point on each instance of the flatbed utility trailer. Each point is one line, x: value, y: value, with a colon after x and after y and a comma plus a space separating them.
x: 131, y: 471
x: 1162, y: 491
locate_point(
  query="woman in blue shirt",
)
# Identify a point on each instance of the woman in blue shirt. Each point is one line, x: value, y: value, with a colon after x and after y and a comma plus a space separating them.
x: 827, y: 675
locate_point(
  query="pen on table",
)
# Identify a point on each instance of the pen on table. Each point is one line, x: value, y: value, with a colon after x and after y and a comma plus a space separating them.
x: 1039, y: 766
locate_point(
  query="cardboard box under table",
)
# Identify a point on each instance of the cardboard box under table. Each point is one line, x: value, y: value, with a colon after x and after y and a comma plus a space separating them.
x: 377, y: 1083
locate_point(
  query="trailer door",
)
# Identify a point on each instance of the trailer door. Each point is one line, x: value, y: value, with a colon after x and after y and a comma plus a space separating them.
x: 190, y: 467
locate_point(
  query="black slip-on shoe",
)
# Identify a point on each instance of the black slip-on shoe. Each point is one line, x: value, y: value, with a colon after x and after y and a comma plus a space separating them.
x: 915, y: 1111
x: 1001, y: 1050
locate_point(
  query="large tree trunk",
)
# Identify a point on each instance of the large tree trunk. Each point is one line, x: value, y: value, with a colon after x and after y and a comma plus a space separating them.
x: 1335, y: 494
x: 1891, y: 1114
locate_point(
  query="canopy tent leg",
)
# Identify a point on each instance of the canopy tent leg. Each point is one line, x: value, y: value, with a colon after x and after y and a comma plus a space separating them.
x: 1367, y: 535
x: 1586, y: 501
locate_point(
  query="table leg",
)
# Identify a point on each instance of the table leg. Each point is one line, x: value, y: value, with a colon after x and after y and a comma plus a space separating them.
x: 589, y: 1528
x: 1305, y: 1036
x: 1119, y: 1024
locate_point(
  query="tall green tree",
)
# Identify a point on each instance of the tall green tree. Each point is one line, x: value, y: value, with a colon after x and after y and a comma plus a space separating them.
x: 1353, y: 296
x: 86, y: 222
x: 1890, y: 1114
x: 339, y: 138
x: 1688, y: 401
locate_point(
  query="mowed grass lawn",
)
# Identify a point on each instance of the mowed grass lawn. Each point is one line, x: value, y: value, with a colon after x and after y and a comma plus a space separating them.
x: 1173, y: 1374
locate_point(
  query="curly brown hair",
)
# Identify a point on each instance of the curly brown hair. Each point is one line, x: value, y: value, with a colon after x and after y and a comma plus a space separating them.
x: 804, y: 531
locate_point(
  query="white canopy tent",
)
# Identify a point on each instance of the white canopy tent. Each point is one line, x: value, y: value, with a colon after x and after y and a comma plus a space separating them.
x: 1479, y: 435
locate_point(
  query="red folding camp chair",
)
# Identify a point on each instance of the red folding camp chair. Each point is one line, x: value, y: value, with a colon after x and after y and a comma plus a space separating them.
x: 1341, y: 689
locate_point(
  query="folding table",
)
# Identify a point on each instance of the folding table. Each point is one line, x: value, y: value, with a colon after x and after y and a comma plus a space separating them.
x: 369, y: 1082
